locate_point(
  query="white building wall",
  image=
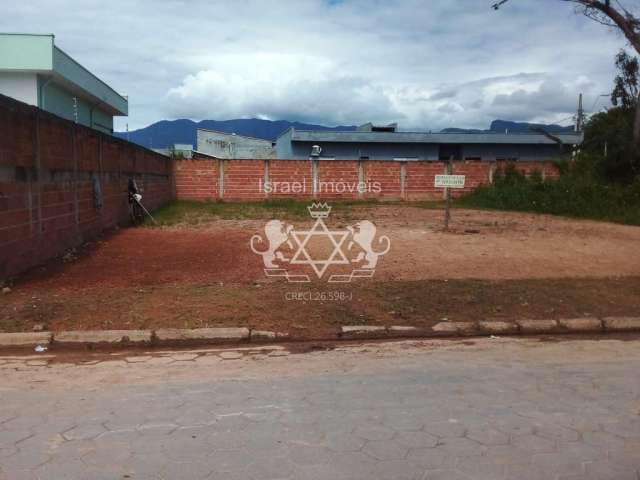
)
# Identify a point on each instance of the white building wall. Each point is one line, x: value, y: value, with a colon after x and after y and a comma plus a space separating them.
x: 21, y: 86
x: 229, y: 146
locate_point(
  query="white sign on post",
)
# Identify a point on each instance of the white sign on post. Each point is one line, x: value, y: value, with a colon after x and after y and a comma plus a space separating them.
x: 449, y: 181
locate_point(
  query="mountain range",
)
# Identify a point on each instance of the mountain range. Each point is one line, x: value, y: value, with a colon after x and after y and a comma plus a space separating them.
x: 168, y: 132
x: 502, y: 126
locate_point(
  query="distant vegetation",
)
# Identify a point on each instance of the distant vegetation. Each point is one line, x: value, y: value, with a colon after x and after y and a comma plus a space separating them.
x: 602, y: 182
x: 573, y: 194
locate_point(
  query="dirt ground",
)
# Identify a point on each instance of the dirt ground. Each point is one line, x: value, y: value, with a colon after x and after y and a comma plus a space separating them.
x: 490, y: 265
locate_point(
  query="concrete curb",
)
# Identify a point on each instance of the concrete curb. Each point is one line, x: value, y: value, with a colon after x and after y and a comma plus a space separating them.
x: 537, y: 326
x: 103, y: 336
x: 213, y: 335
x: 621, y: 324
x: 455, y: 329
x: 350, y: 331
x: 497, y: 328
x: 208, y: 336
x: 25, y: 339
x: 582, y: 324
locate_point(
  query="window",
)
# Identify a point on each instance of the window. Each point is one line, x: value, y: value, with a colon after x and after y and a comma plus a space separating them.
x: 448, y: 151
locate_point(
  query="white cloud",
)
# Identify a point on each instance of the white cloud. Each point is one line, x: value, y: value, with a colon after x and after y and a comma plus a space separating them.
x: 275, y: 86
x: 427, y: 65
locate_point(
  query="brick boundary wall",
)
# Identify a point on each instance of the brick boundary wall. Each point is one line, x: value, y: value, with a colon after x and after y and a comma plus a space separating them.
x: 205, y: 178
x: 48, y: 170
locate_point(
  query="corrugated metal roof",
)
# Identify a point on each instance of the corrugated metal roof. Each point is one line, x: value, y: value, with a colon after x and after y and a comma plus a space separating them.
x: 423, y: 137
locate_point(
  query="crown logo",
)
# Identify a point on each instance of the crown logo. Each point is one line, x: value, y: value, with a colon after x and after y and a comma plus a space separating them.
x: 319, y: 210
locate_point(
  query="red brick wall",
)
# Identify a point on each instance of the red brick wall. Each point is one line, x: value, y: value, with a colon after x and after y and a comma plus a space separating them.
x: 243, y: 180
x: 420, y: 178
x: 197, y: 178
x: 47, y: 166
x: 338, y: 179
x: 547, y: 170
x: 296, y: 172
x: 476, y: 174
x: 385, y: 175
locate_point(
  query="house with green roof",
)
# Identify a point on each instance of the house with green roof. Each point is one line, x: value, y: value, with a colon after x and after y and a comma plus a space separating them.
x: 35, y: 71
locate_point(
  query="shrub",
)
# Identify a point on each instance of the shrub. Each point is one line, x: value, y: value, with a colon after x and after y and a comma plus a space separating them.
x: 577, y: 193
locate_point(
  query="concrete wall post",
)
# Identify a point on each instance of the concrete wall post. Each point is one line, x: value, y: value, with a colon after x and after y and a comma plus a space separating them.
x: 403, y: 180
x: 492, y: 171
x: 76, y: 194
x: 265, y: 185
x: 361, y: 184
x: 315, y: 164
x: 221, y: 179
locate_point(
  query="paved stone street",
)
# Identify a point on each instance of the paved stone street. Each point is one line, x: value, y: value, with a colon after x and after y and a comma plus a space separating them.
x: 478, y: 409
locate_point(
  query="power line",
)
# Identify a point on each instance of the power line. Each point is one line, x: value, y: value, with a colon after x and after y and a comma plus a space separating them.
x: 497, y: 5
x: 596, y: 101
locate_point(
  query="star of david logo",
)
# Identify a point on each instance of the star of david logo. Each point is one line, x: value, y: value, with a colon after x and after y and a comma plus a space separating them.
x: 319, y: 229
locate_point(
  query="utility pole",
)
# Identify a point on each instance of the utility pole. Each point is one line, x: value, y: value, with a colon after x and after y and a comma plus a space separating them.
x: 580, y: 116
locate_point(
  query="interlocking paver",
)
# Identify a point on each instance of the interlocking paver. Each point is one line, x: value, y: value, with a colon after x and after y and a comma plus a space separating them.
x: 429, y: 458
x: 487, y: 436
x: 416, y: 439
x: 84, y: 432
x: 461, y: 447
x: 445, y: 475
x: 309, y: 455
x: 344, y: 442
x: 446, y: 429
x: 11, y: 437
x: 627, y: 428
x: 374, y: 432
x: 385, y: 450
x: 556, y: 432
x: 534, y: 444
x: 415, y: 417
x: 480, y: 468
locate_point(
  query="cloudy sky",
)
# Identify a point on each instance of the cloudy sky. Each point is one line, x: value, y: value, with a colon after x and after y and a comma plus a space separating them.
x: 425, y: 64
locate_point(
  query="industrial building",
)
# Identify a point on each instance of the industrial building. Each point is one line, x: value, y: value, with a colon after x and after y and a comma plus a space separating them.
x: 370, y: 142
x: 231, y: 146
x: 35, y: 71
x: 178, y: 150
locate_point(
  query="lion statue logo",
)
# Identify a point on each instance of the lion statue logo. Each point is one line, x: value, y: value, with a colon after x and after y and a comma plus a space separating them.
x: 363, y: 233
x: 277, y: 234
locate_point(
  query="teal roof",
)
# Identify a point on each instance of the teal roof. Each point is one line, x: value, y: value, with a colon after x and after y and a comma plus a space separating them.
x: 39, y: 54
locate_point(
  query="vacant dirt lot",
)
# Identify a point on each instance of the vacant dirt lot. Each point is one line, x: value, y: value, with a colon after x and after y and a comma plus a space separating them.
x: 491, y: 265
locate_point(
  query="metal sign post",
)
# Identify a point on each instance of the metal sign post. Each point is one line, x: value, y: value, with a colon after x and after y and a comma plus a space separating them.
x: 447, y: 193
x: 448, y: 182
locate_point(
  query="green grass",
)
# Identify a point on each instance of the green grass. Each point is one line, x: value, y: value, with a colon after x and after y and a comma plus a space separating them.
x: 570, y: 196
x: 193, y: 213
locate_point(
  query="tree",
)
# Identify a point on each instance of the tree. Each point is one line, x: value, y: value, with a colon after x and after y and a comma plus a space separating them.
x: 625, y: 91
x: 608, y: 136
x: 609, y: 148
x: 616, y: 16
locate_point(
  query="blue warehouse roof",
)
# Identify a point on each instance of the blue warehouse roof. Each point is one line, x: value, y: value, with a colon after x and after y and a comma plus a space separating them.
x: 431, y: 138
